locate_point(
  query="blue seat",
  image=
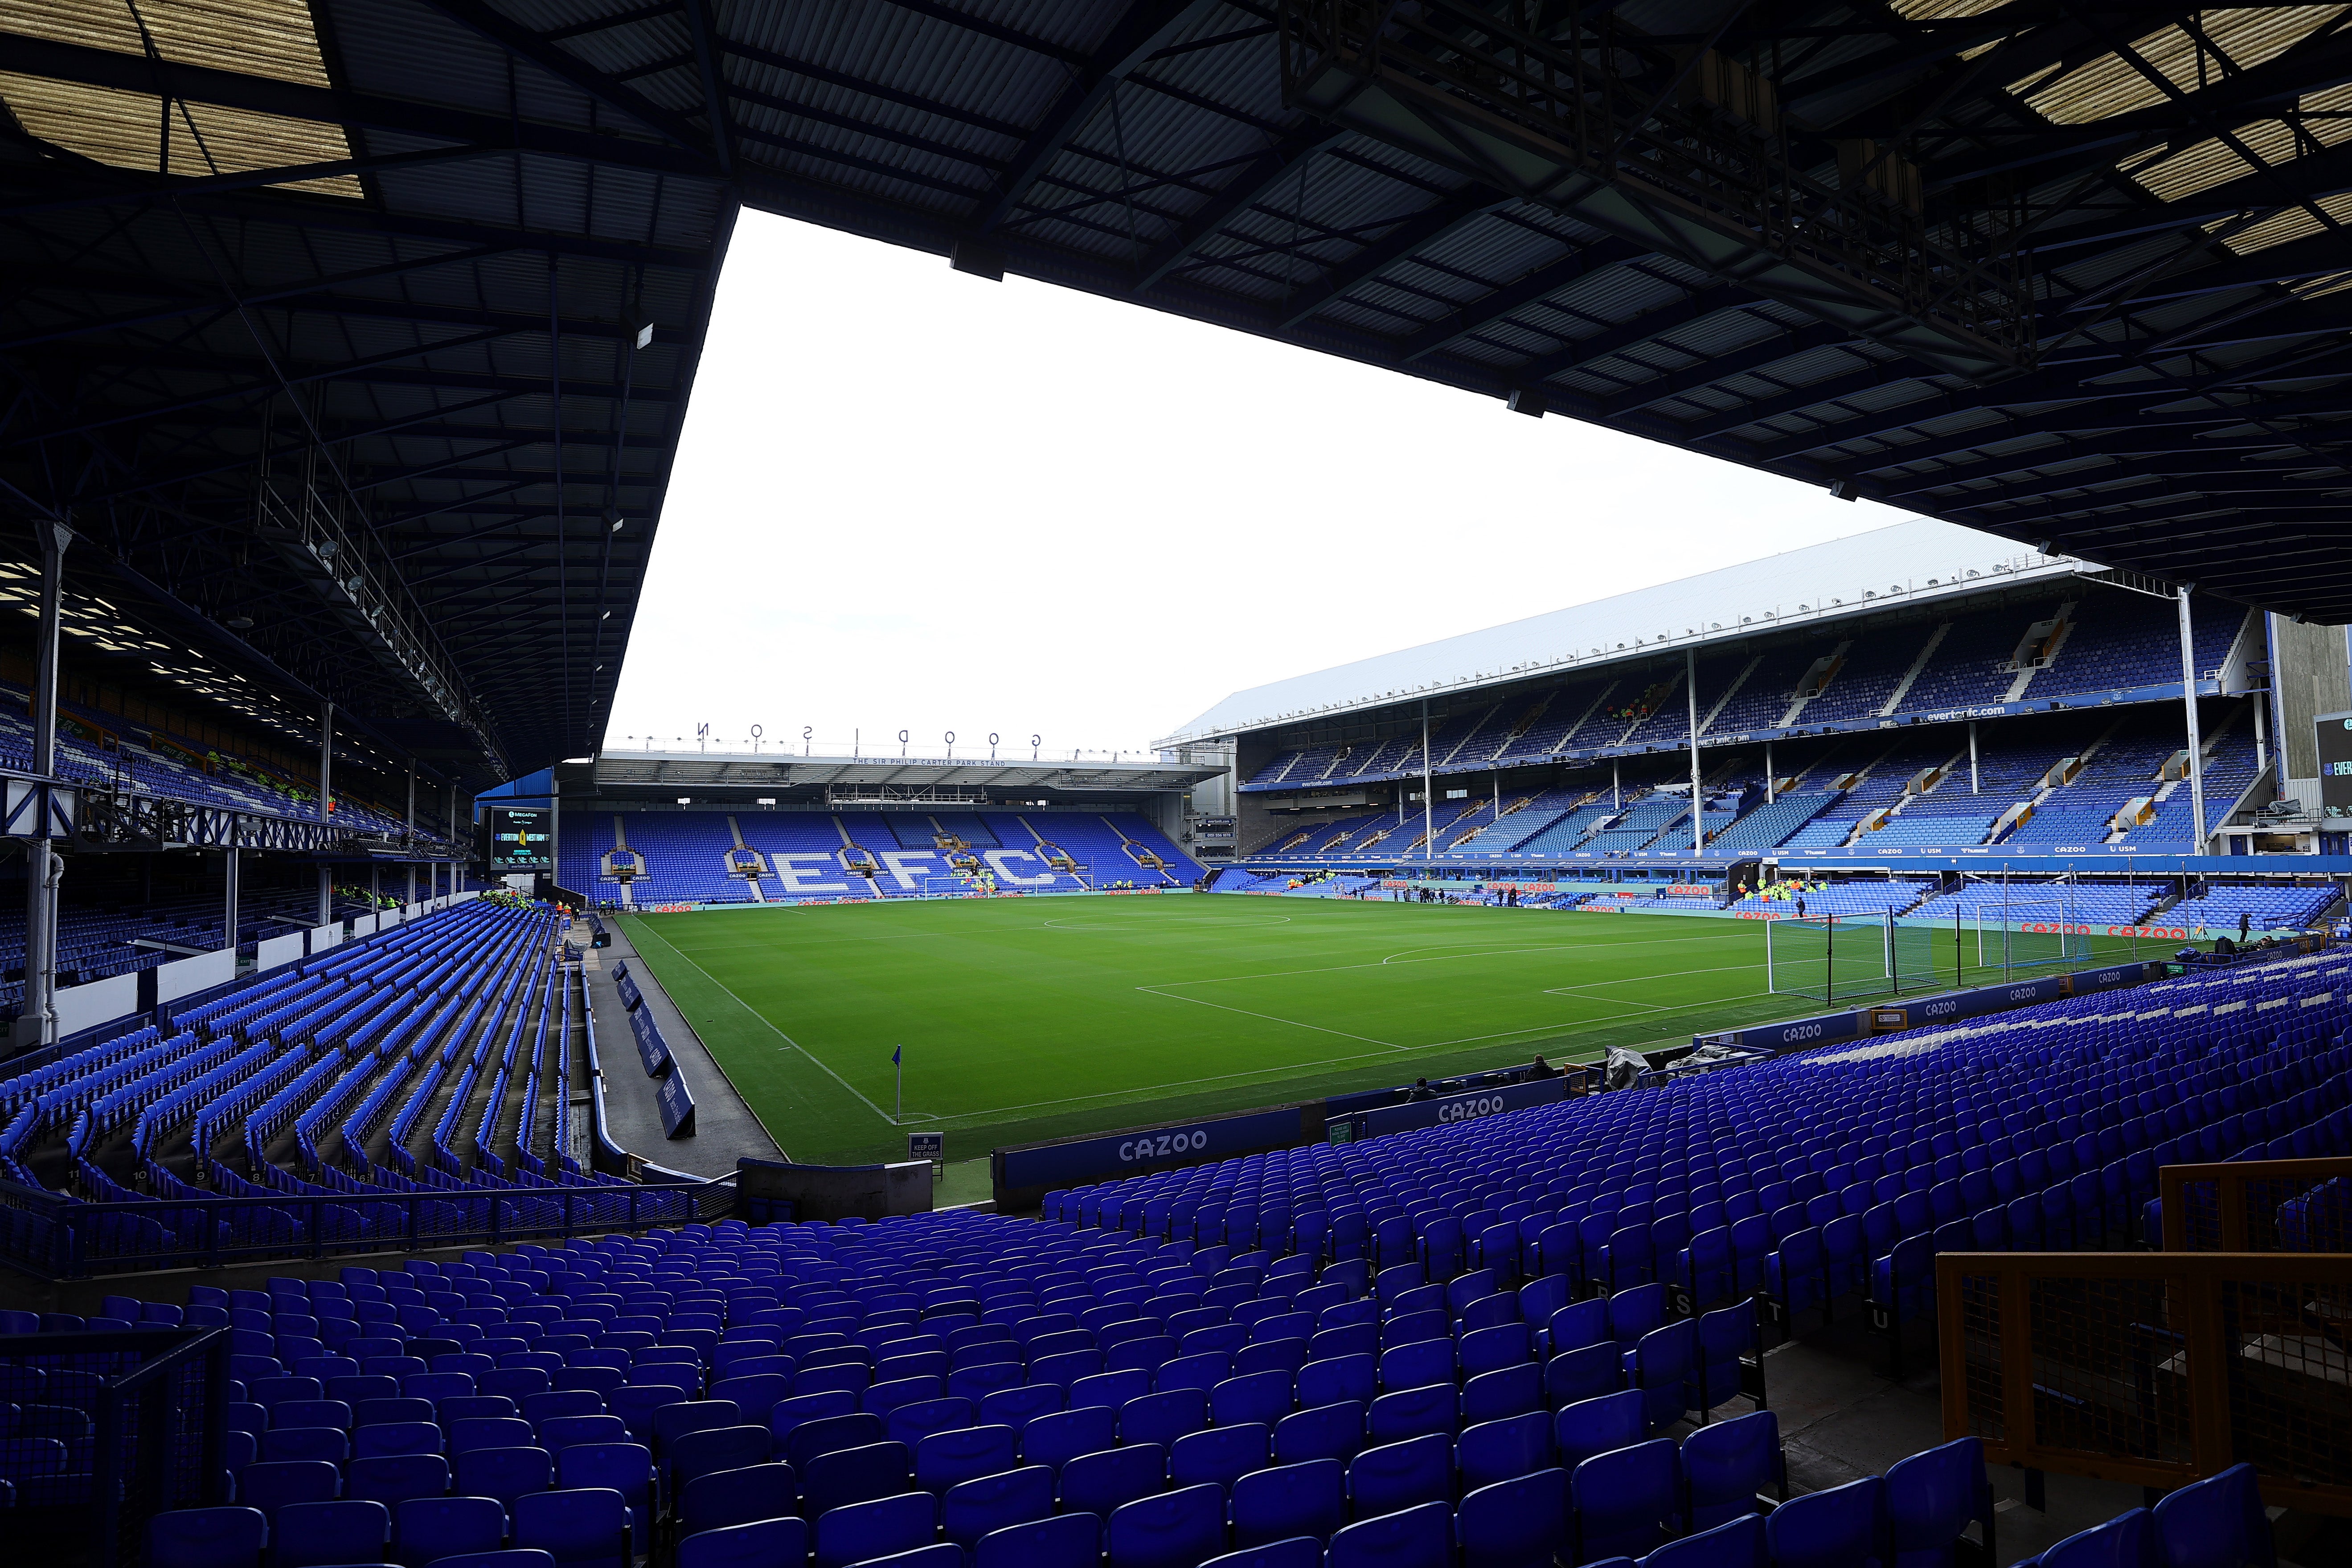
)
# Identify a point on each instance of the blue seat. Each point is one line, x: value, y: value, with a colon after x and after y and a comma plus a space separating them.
x: 714, y: 1449
x: 972, y: 1508
x: 1221, y: 1456
x: 1414, y: 1412
x: 307, y: 1534
x: 1844, y: 1527
x: 1726, y: 1466
x: 828, y: 1434
x: 1522, y: 1522
x: 396, y: 1438
x: 722, y: 1498
x: 1100, y: 1483
x: 1203, y: 1370
x: 557, y: 1433
x: 879, y: 1527
x: 1419, y: 1537
x: 426, y: 1529
x: 845, y: 1476
x: 1299, y: 1552
x: 1663, y: 1364
x: 764, y: 1545
x: 1326, y: 1432
x: 1586, y: 1372
x: 1401, y: 1475
x: 1262, y: 1396
x: 1490, y: 1349
x: 1500, y: 1450
x: 1577, y: 1325
x: 1592, y: 1427
x: 504, y: 1473
x: 2219, y: 1523
x: 1507, y: 1391
x: 2124, y: 1541
x: 393, y: 1479
x: 944, y: 1459
x: 1110, y: 1389
x: 1333, y: 1379
x: 207, y: 1538
x: 1417, y: 1364
x: 281, y: 1445
x: 1932, y: 1496
x: 1072, y: 1541
x: 1017, y: 1407
x: 1162, y: 1418
x: 1055, y: 1439
x: 625, y: 1468
x: 1628, y: 1500
x: 512, y: 1557
x: 1180, y: 1529
x: 274, y: 1486
x: 580, y: 1528
x: 1284, y: 1501
x: 1737, y: 1543
x: 1723, y: 1336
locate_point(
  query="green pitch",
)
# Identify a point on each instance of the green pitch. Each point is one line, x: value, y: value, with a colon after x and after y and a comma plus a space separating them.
x: 1024, y: 1019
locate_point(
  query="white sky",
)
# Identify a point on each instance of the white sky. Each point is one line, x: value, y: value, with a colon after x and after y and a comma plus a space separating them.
x: 906, y: 497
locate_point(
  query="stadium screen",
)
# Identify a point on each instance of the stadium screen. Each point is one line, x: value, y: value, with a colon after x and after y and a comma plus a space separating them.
x: 521, y: 839
x: 2335, y: 763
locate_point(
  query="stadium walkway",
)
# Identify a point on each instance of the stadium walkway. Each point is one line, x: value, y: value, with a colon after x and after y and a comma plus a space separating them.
x: 725, y: 1129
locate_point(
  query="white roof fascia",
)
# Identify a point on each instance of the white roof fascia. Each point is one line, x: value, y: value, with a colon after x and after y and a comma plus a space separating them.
x: 1916, y: 561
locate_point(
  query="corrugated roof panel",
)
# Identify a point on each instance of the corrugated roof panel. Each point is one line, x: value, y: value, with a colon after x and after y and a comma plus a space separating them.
x: 129, y: 130
x: 2110, y: 85
x: 271, y: 39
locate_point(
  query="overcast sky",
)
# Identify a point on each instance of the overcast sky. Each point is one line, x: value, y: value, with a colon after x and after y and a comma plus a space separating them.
x: 910, y: 499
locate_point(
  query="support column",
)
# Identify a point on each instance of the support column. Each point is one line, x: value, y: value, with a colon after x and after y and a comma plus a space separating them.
x: 1972, y: 757
x: 408, y: 837
x: 1428, y: 805
x: 38, y: 1026
x: 1698, y: 818
x: 1616, y: 794
x: 1770, y: 782
x: 326, y: 759
x: 326, y: 894
x: 2189, y: 701
x: 229, y: 869
x: 2261, y: 734
x: 457, y: 853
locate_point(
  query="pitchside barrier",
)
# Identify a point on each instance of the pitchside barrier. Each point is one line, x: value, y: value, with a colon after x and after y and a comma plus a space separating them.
x: 1023, y: 1175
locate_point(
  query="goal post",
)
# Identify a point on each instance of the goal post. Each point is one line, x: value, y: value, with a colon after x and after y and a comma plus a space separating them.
x: 1847, y: 957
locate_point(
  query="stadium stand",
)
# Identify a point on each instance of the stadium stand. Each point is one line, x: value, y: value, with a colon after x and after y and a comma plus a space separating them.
x: 433, y: 1059
x: 818, y: 855
x: 1459, y: 1333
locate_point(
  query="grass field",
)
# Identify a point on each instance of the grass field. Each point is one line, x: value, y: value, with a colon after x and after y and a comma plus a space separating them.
x: 1024, y: 1019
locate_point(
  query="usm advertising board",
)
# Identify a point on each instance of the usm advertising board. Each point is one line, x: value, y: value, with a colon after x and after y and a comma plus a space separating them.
x: 1476, y: 1105
x: 651, y: 1048
x: 1022, y: 1175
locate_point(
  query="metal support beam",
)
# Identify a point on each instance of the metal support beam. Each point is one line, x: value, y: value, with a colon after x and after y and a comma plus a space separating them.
x: 2189, y: 703
x: 229, y: 875
x: 36, y: 1026
x: 326, y: 759
x: 1148, y: 25
x: 1690, y: 683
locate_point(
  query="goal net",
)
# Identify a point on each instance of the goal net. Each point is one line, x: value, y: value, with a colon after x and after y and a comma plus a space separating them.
x: 1834, y: 958
x: 2000, y: 929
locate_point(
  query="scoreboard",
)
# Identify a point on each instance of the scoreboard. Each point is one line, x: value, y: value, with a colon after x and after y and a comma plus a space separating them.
x: 2335, y: 763
x: 522, y: 838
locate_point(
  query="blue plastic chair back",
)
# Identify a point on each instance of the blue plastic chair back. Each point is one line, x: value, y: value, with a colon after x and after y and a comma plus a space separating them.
x: 972, y: 1508
x: 1502, y: 1450
x: 1627, y: 1500
x: 2124, y: 1541
x: 1100, y: 1483
x: 2219, y: 1523
x: 1522, y: 1522
x: 763, y: 1544
x: 879, y: 1527
x: 208, y: 1538
x: 1419, y: 1537
x: 1070, y: 1541
x: 1284, y: 1501
x: 1180, y: 1529
x: 1401, y: 1475
x: 1727, y: 1464
x: 1737, y: 1543
x: 723, y: 1497
x: 1842, y: 1527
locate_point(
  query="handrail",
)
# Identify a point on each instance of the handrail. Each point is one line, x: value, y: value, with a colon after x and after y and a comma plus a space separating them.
x: 2245, y: 1197
x: 2154, y: 1368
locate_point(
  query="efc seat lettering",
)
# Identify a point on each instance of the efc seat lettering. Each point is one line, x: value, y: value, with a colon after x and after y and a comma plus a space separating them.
x: 1160, y: 1145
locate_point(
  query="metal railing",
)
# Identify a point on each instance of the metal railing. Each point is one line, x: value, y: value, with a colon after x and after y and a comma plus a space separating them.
x: 58, y: 1238
x: 2155, y: 1369
x: 160, y: 1409
x: 2237, y: 1206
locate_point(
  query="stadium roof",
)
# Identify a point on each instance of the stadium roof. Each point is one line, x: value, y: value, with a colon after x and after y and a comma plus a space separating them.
x: 2069, y: 270
x: 425, y: 281
x: 1917, y: 561
x: 744, y: 771
x: 343, y: 333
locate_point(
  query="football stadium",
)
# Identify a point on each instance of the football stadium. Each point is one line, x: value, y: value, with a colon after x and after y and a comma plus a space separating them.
x: 1840, y: 1059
